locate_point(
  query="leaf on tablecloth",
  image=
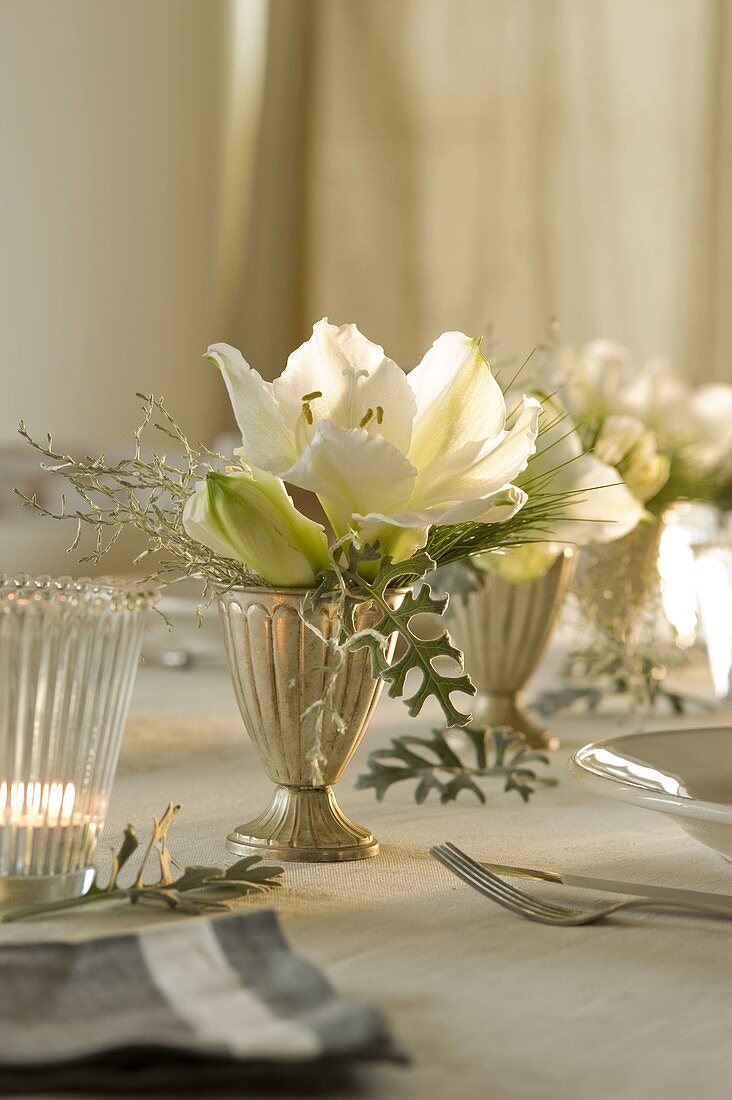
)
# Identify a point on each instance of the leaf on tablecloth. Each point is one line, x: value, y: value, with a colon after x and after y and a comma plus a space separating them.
x: 434, y: 764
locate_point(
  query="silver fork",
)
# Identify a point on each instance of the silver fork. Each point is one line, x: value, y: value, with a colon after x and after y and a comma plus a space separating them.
x: 507, y: 895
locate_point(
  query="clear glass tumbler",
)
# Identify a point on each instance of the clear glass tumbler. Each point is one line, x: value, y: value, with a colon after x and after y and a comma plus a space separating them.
x: 69, y: 651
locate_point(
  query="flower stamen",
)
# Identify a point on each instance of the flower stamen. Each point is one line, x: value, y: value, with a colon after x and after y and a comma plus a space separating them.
x: 368, y: 415
x: 307, y: 412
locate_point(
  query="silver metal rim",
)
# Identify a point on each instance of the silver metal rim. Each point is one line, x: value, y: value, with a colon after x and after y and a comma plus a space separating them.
x: 240, y: 844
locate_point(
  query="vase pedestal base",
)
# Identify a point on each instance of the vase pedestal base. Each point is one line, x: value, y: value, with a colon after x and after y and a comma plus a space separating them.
x: 303, y: 825
x: 494, y: 709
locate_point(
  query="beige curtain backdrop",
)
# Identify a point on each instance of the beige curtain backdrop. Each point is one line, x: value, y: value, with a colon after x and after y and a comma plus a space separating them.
x: 472, y: 161
x: 127, y: 135
x: 127, y: 138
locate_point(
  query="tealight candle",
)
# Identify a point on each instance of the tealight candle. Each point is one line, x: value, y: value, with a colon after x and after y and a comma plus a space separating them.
x: 41, y: 832
x: 68, y: 657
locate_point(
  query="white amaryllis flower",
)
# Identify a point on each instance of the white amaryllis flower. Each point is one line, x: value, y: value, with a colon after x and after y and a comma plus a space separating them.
x: 591, y: 379
x: 694, y: 423
x: 388, y: 454
x: 707, y: 437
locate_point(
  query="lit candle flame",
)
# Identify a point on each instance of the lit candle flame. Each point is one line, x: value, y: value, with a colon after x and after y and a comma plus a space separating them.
x: 38, y: 804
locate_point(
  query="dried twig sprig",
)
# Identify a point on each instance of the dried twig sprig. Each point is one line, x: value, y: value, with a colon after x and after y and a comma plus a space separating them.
x: 197, y: 890
x: 145, y: 491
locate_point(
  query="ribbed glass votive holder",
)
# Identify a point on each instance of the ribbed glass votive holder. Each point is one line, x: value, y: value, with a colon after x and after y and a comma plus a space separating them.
x: 69, y: 651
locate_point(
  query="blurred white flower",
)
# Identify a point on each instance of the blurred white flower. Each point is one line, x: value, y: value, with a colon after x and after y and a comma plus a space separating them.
x: 590, y: 379
x: 691, y: 427
x: 388, y: 454
x: 709, y: 440
x: 598, y: 506
x: 654, y: 394
x: 624, y: 442
x: 697, y: 427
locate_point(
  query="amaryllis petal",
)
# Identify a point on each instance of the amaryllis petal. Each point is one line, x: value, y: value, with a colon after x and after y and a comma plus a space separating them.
x: 198, y: 524
x: 267, y: 441
x: 384, y: 404
x: 495, y: 508
x: 458, y: 399
x: 601, y: 508
x: 353, y: 472
x: 473, y: 474
x: 401, y: 534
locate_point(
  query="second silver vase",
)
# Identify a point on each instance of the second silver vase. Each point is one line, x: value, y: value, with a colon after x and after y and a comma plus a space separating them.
x: 503, y: 630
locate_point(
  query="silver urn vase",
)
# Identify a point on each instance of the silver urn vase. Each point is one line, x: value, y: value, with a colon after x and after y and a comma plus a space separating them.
x: 280, y: 667
x: 503, y: 631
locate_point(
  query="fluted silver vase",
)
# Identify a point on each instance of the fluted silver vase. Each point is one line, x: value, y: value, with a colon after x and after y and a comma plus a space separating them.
x: 503, y: 631
x: 280, y: 667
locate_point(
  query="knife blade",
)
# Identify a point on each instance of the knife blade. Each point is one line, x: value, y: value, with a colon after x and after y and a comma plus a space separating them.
x: 634, y: 889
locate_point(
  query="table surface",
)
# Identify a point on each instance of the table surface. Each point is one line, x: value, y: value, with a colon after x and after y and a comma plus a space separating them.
x: 485, y: 1004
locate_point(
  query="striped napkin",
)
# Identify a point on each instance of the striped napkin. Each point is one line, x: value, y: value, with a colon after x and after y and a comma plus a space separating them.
x: 200, y: 1003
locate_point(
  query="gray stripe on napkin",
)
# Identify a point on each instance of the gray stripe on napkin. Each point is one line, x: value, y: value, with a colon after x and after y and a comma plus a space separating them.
x: 190, y: 968
x: 293, y: 987
x: 62, y: 1000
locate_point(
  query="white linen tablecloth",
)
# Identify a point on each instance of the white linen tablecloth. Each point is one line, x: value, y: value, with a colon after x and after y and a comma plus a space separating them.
x: 486, y: 1004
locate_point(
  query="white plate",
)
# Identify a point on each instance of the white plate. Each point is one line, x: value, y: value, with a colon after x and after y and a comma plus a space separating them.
x: 686, y: 774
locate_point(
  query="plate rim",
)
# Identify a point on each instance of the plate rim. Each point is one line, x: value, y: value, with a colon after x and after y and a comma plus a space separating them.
x: 610, y: 787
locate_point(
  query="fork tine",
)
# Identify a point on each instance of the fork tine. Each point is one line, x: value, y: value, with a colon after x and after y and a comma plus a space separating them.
x: 448, y: 861
x: 558, y: 917
x: 495, y: 881
x: 496, y: 884
x: 485, y: 874
x: 495, y: 891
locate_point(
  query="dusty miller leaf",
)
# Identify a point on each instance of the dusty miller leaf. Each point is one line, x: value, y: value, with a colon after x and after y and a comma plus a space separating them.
x: 435, y: 765
x: 418, y: 653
